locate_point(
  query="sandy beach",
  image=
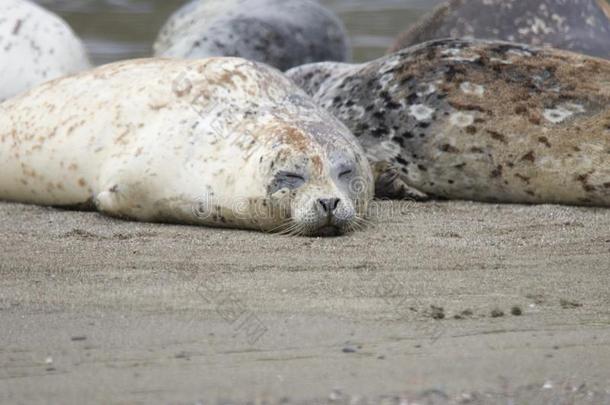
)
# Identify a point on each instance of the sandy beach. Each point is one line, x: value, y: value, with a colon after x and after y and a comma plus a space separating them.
x: 443, y: 301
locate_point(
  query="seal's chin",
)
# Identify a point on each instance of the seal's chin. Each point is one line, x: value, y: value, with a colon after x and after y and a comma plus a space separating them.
x: 328, y: 231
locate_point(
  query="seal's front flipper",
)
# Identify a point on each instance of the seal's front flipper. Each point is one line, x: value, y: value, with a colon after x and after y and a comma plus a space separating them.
x: 390, y: 185
x: 123, y: 202
x: 108, y: 202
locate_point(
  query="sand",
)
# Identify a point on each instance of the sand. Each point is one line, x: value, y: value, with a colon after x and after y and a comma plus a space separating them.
x: 441, y: 301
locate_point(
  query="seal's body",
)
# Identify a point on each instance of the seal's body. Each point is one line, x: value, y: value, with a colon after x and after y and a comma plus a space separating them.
x: 279, y: 33
x: 576, y: 25
x: 35, y: 46
x: 477, y: 120
x: 222, y: 142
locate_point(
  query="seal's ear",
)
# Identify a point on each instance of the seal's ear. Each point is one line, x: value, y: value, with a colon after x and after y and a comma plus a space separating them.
x: 390, y: 185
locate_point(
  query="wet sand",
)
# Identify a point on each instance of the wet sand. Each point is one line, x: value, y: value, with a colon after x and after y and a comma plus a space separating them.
x: 120, y: 312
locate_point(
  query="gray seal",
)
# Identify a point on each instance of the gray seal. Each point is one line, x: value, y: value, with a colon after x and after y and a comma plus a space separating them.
x: 279, y: 33
x: 576, y: 25
x: 477, y: 120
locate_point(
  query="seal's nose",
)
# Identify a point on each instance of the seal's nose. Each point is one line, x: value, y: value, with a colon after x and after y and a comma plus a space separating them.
x: 329, y: 205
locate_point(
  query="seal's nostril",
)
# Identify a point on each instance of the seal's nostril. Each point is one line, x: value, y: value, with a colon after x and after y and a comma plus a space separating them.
x: 335, y: 203
x: 324, y: 204
x: 329, y: 205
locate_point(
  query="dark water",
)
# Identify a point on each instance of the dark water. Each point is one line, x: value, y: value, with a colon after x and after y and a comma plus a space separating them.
x: 123, y: 29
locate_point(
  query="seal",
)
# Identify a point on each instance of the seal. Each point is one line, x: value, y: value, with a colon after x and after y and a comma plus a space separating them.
x: 220, y: 142
x: 477, y: 120
x: 279, y: 33
x: 581, y: 26
x: 35, y: 46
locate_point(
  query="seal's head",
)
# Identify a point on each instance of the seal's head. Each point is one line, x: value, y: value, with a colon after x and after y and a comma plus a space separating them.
x: 316, y: 185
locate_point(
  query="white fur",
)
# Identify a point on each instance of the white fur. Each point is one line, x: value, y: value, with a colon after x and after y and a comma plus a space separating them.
x: 171, y: 140
x: 35, y: 46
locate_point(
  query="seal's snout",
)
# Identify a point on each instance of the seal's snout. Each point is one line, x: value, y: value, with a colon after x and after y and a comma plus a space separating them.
x: 331, y: 216
x: 325, y: 215
x: 333, y: 211
x: 328, y: 206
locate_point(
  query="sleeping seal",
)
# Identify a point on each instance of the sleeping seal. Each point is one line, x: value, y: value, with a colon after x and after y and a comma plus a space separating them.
x: 477, y: 120
x: 577, y: 25
x: 280, y: 33
x: 220, y: 142
x: 35, y: 46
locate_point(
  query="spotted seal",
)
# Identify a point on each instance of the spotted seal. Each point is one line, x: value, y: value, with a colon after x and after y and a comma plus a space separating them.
x: 221, y: 142
x: 280, y: 33
x: 477, y: 120
x: 35, y: 46
x: 577, y: 25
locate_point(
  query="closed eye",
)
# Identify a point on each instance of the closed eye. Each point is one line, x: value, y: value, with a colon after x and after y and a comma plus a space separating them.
x: 345, y: 173
x: 287, y: 180
x: 293, y: 176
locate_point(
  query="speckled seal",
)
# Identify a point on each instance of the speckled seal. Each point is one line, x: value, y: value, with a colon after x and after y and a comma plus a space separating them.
x: 280, y: 33
x: 581, y: 26
x: 35, y: 46
x: 477, y: 120
x: 220, y: 142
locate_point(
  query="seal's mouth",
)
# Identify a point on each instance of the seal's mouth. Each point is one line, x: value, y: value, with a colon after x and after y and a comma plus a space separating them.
x: 328, y: 231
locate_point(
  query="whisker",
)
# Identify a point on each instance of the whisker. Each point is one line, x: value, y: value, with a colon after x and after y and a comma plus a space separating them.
x: 304, y: 230
x: 363, y: 218
x: 288, y: 230
x: 358, y: 222
x: 357, y: 227
x: 364, y: 221
x: 296, y: 229
x: 287, y: 223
